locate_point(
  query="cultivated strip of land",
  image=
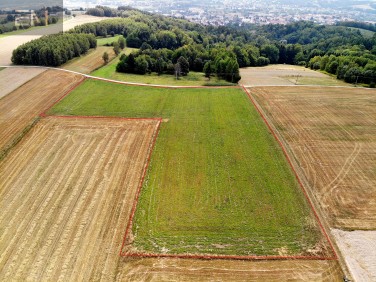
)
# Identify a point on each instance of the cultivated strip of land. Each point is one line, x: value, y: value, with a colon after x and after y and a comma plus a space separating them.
x: 287, y: 75
x: 91, y: 61
x: 331, y: 132
x: 21, y: 107
x: 66, y: 193
x: 217, y: 183
x: 157, y: 269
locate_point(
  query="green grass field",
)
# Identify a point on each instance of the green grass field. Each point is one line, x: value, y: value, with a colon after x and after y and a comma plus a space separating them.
x: 107, y: 40
x: 217, y: 183
x: 192, y: 79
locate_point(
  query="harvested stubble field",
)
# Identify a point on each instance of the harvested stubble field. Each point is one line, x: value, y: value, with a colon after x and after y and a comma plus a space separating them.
x: 159, y: 269
x: 331, y: 133
x: 91, y: 61
x: 12, y: 78
x: 276, y: 75
x: 217, y: 183
x: 21, y: 107
x: 66, y: 193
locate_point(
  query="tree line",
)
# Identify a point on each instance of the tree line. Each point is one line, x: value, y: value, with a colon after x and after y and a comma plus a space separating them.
x: 361, y: 25
x: 53, y: 50
x: 221, y: 51
x: 215, y: 61
x: 354, y: 65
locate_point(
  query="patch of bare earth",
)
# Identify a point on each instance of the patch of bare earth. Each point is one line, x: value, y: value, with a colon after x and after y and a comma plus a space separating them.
x: 91, y: 61
x: 359, y: 249
x: 66, y: 191
x: 148, y: 269
x: 19, y: 108
x: 331, y: 133
x: 279, y: 75
x: 12, y: 78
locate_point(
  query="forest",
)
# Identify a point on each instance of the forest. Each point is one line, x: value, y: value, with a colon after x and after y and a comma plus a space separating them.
x: 175, y: 46
x: 53, y: 50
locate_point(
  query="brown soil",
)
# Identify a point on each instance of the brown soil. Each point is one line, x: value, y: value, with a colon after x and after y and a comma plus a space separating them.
x: 12, y: 78
x: 66, y: 191
x: 19, y: 108
x: 285, y: 75
x: 224, y: 270
x: 331, y: 133
x: 91, y: 61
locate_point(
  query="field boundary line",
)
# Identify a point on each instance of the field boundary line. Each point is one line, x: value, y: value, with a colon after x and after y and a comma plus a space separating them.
x: 128, y: 83
x: 101, y: 117
x: 139, y: 188
x: 177, y: 86
x: 44, y: 113
x: 225, y: 257
x: 17, y: 139
x: 255, y: 104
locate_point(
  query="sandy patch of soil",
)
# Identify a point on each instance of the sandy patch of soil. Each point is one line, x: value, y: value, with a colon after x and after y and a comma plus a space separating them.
x: 359, y: 250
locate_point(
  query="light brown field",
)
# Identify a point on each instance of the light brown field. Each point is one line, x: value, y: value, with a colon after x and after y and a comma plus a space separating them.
x: 225, y: 270
x: 331, y: 133
x: 285, y: 75
x: 12, y: 78
x: 66, y: 191
x: 91, y: 61
x: 19, y: 108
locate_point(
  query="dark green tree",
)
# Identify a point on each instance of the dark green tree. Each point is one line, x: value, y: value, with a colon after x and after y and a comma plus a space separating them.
x: 105, y: 58
x: 184, y: 64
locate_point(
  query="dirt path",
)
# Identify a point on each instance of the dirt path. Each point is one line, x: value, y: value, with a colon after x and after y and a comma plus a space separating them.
x: 359, y: 250
x: 65, y: 196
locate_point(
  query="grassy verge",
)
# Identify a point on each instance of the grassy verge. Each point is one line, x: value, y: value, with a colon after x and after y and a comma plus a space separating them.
x: 107, y: 40
x: 217, y: 183
x: 192, y: 79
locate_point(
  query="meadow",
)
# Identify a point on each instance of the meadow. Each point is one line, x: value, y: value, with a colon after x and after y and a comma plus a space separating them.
x: 217, y: 183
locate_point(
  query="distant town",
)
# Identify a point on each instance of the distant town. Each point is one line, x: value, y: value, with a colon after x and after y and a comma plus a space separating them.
x: 225, y: 12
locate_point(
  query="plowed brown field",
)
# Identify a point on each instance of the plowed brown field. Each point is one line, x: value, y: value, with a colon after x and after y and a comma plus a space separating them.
x: 66, y: 191
x: 19, y: 108
x: 331, y: 133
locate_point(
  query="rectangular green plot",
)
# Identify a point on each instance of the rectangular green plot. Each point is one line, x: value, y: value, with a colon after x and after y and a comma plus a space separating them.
x: 218, y: 183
